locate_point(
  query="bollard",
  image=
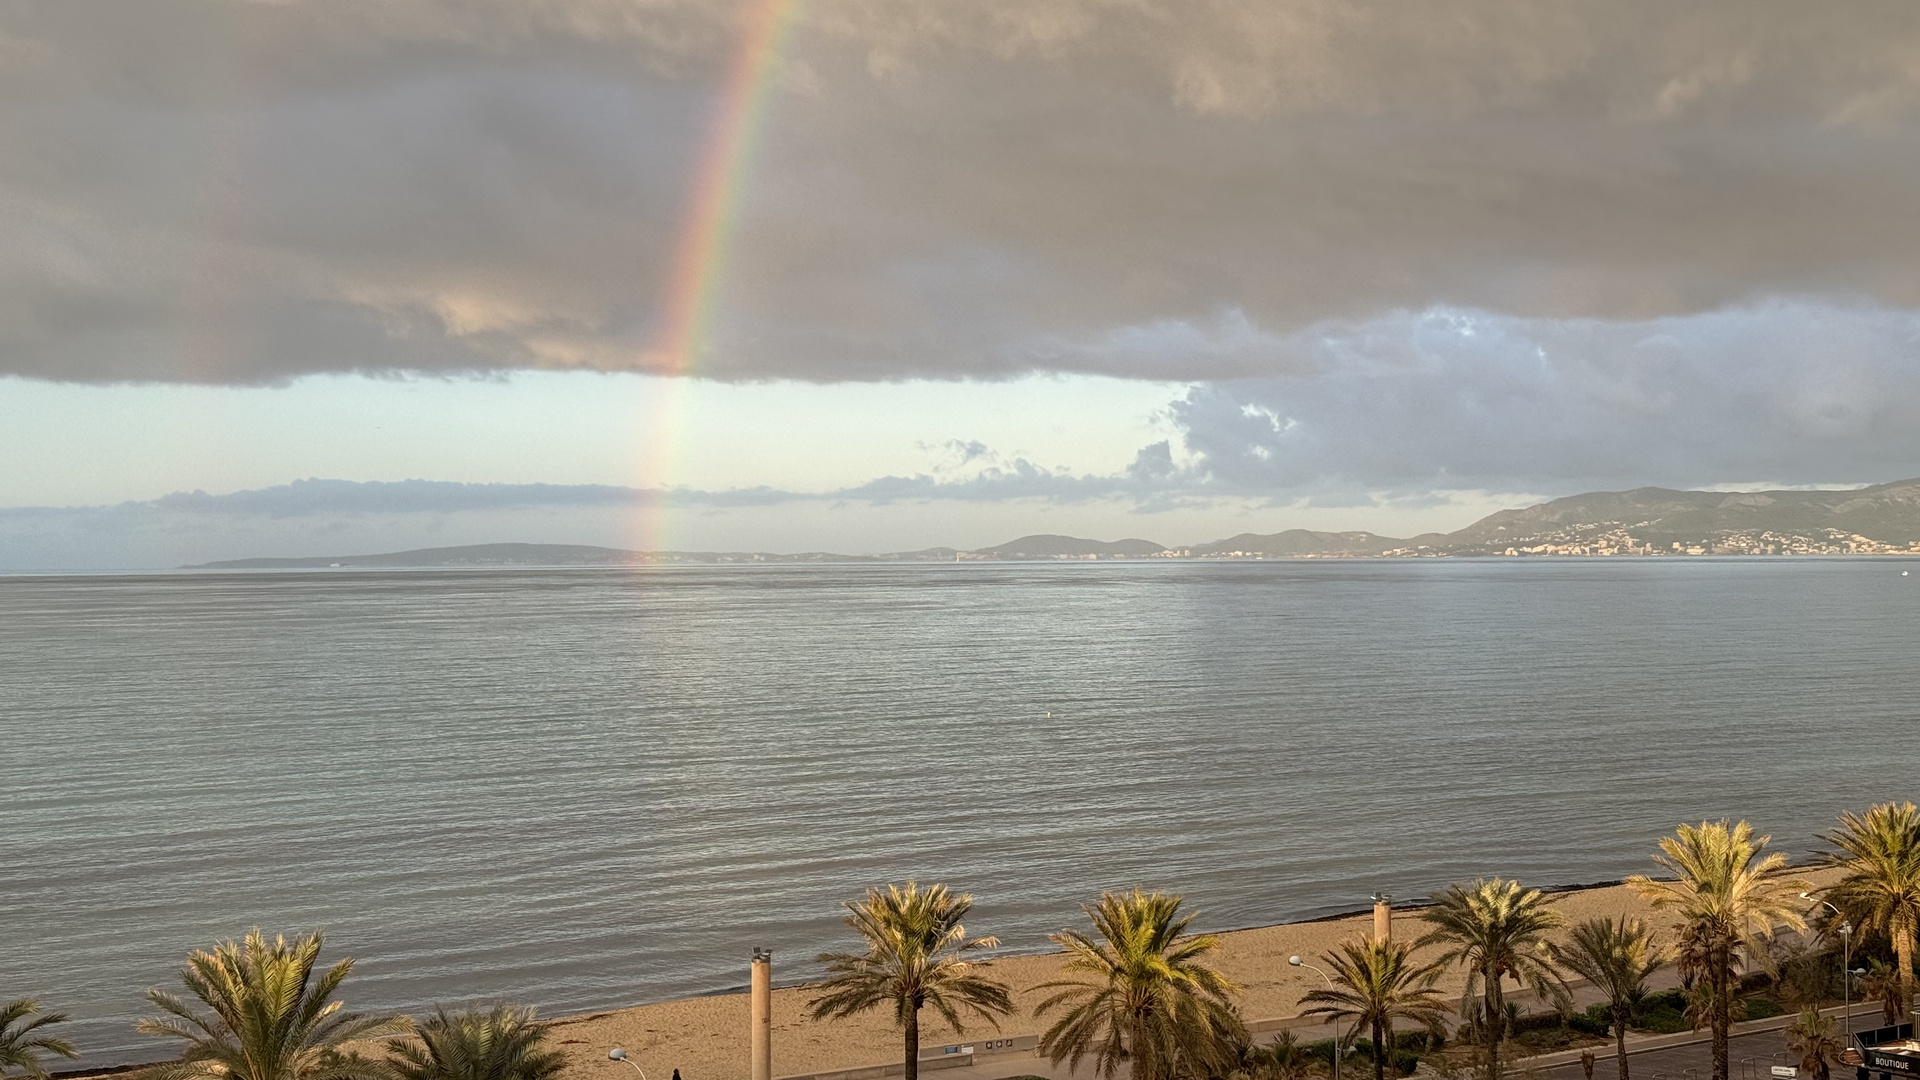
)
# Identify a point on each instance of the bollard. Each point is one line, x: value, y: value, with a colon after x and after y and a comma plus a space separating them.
x: 761, y: 1040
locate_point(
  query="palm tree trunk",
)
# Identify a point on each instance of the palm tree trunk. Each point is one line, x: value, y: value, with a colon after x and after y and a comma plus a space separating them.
x: 1496, y: 1007
x: 1903, y: 952
x: 913, y: 1045
x: 1620, y: 1039
x: 1721, y: 1015
x: 1379, y: 1054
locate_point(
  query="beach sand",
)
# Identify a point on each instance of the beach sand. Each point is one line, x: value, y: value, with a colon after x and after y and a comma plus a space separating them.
x: 706, y: 1038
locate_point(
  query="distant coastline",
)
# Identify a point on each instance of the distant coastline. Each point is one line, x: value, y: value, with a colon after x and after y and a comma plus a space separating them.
x: 457, y: 559
x: 1643, y: 522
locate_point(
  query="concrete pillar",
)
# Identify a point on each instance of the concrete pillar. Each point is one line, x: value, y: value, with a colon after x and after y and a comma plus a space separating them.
x: 1382, y: 917
x: 761, y: 1040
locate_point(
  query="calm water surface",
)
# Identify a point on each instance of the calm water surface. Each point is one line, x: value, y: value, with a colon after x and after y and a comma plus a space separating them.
x: 583, y: 788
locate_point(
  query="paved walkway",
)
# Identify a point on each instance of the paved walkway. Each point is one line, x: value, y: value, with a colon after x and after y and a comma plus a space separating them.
x: 1756, y: 1045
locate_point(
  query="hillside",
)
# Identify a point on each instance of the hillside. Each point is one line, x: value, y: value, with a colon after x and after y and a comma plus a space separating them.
x: 556, y: 555
x: 469, y: 555
x: 1298, y: 542
x: 1743, y: 522
x: 1049, y: 546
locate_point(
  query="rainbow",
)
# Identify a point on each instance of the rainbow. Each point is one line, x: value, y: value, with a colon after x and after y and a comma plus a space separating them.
x: 699, y: 256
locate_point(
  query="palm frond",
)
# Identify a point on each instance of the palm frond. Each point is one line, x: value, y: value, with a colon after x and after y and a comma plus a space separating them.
x: 1879, y: 852
x: 22, y: 1040
x: 917, y: 957
x: 266, y: 1018
x: 1145, y: 995
x: 500, y: 1043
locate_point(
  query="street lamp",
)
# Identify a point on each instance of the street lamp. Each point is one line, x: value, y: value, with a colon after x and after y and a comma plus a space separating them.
x: 618, y: 1054
x: 1846, y: 965
x: 1297, y: 962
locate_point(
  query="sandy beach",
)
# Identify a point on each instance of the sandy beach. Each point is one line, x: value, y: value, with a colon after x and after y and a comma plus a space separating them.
x: 706, y: 1038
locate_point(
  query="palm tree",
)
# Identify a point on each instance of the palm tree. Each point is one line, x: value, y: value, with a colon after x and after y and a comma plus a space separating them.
x: 1497, y: 931
x: 1881, y: 983
x: 22, y: 1042
x: 1880, y: 852
x: 1146, y: 996
x: 1728, y: 896
x: 1374, y: 984
x: 1812, y: 1037
x: 917, y: 957
x: 501, y: 1043
x: 1283, y: 1059
x: 271, y: 1019
x: 1617, y: 957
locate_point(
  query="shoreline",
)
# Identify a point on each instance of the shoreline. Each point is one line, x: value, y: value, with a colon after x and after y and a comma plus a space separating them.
x: 1414, y: 904
x: 855, y: 560
x: 706, y: 1037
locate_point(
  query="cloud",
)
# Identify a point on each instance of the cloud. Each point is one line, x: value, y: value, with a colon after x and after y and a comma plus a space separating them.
x: 239, y: 191
x: 1390, y: 409
x: 1012, y: 479
x: 1424, y: 419
x: 1455, y: 400
x: 320, y: 496
x: 323, y: 516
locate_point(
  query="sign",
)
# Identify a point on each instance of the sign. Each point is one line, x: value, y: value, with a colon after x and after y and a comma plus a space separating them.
x: 1785, y: 1072
x: 1882, y: 1061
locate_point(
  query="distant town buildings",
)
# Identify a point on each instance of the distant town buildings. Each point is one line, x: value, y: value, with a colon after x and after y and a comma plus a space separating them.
x: 1607, y: 540
x: 1581, y: 540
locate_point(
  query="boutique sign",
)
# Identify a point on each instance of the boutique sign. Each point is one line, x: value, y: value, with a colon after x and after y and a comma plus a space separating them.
x: 1889, y: 1051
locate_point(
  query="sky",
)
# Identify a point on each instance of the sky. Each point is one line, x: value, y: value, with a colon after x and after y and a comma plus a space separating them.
x: 293, y: 277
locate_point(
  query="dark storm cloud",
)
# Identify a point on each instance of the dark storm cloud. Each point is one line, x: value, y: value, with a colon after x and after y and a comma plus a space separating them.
x: 1454, y: 400
x: 244, y: 191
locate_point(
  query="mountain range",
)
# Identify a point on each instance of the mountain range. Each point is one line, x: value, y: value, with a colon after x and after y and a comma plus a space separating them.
x: 1882, y: 519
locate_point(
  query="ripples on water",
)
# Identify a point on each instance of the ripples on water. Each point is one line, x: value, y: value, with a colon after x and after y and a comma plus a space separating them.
x: 583, y: 788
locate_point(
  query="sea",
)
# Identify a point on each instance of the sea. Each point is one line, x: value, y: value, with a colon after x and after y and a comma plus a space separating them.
x: 584, y: 788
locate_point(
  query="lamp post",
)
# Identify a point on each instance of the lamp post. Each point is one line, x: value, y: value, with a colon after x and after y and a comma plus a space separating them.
x: 1297, y: 962
x: 618, y: 1054
x: 1846, y: 966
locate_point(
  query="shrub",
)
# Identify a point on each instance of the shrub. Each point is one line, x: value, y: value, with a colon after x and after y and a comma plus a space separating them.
x: 1399, y: 1059
x: 1553, y: 1038
x: 1550, y: 1021
x: 1664, y: 1013
x: 1420, y: 1042
x: 1759, y: 1008
x: 1408, y: 1046
x: 1675, y: 1000
x: 1663, y: 1020
x: 1595, y: 1020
